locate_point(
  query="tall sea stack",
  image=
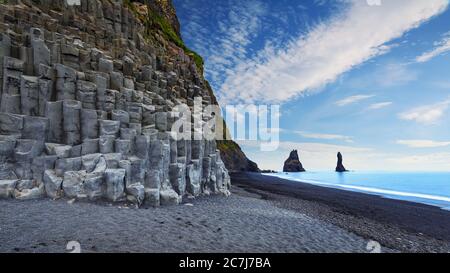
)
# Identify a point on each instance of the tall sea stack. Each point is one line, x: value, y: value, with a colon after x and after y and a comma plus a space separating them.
x: 293, y: 164
x: 340, y: 166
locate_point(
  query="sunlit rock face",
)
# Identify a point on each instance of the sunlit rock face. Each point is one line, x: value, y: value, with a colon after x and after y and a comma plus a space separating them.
x: 86, y: 107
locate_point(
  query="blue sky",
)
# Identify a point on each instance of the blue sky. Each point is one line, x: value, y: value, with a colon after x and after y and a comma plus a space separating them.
x: 371, y: 81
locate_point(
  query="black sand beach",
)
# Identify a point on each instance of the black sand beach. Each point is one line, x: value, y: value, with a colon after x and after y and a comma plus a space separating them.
x: 400, y: 225
x: 213, y: 224
x: 264, y: 214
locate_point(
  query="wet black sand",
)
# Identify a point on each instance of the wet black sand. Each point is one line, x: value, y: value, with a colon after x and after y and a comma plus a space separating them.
x: 401, y: 225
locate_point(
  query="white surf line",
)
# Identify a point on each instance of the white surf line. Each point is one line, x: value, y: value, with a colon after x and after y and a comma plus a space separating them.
x: 399, y: 193
x: 375, y: 190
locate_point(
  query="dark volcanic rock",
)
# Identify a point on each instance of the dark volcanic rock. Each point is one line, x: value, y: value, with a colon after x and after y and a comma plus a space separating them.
x: 340, y: 166
x: 88, y: 103
x: 234, y: 158
x: 293, y: 164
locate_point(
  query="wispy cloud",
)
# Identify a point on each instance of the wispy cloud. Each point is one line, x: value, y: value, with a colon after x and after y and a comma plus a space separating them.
x: 424, y: 143
x: 377, y: 106
x: 428, y: 114
x: 236, y: 25
x: 441, y: 47
x: 324, y: 136
x: 385, y: 75
x: 331, y: 48
x: 353, y: 99
x: 395, y: 74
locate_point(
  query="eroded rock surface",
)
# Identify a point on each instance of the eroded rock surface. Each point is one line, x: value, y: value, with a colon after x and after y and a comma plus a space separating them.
x: 87, y: 105
x: 293, y: 164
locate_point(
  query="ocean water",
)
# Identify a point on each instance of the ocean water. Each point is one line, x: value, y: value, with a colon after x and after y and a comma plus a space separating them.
x: 427, y: 188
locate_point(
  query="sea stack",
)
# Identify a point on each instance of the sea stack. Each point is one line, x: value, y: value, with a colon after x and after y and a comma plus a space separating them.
x: 293, y: 164
x: 340, y: 166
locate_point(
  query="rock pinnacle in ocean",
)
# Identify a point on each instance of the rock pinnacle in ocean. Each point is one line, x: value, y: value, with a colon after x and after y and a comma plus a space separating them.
x: 340, y: 166
x: 293, y: 164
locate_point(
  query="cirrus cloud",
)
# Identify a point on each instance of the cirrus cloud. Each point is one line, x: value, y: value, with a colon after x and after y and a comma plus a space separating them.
x: 428, y: 114
x: 356, y: 35
x: 441, y: 47
x: 325, y: 136
x: 353, y: 99
x: 380, y: 105
x: 423, y: 143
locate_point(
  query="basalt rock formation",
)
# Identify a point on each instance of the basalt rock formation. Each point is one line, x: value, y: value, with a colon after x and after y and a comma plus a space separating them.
x: 340, y: 164
x: 86, y: 104
x: 293, y: 164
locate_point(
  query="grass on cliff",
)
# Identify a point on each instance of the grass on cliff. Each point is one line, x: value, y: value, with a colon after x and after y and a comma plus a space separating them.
x: 227, y: 145
x: 153, y: 19
x: 173, y: 37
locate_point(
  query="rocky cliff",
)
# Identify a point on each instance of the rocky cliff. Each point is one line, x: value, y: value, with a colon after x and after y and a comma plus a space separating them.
x: 87, y: 99
x: 293, y: 164
x: 165, y: 9
x: 163, y: 16
x: 235, y: 159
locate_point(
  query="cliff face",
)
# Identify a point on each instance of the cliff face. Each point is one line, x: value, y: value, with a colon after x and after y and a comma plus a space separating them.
x: 234, y: 158
x: 166, y: 9
x: 87, y: 101
x: 162, y: 16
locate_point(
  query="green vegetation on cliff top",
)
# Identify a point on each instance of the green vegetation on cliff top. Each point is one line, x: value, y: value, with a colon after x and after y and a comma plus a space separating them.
x: 153, y: 19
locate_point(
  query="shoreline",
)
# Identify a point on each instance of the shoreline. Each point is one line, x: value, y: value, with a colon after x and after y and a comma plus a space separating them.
x: 402, y: 225
x: 412, y: 197
x: 263, y: 215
